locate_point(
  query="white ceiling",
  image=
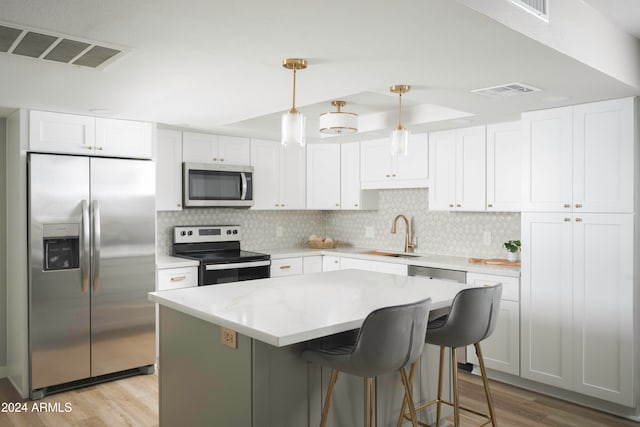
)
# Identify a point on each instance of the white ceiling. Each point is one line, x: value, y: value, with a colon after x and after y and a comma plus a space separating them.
x: 216, y: 65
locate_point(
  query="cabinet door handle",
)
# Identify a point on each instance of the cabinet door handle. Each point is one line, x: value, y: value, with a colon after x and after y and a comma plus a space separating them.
x: 178, y: 278
x: 285, y: 267
x: 458, y: 206
x: 337, y: 204
x: 89, y: 148
x: 222, y: 160
x: 99, y: 148
x: 578, y: 205
x: 450, y: 206
x: 567, y: 205
x: 393, y: 175
x: 578, y: 219
x: 489, y: 205
x: 355, y: 204
x: 567, y: 219
x: 215, y: 159
x: 388, y: 176
x: 178, y: 205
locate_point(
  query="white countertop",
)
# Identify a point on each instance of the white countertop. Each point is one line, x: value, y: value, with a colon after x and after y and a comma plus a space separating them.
x: 166, y: 261
x: 287, y: 310
x: 424, y: 260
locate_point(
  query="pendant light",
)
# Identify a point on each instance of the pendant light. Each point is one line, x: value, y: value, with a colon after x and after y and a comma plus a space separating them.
x: 338, y: 122
x: 293, y: 123
x: 399, y: 136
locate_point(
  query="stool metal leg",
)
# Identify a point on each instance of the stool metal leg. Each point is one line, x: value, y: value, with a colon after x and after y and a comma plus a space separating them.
x: 404, y: 401
x: 409, y: 397
x: 485, y: 382
x: 369, y: 409
x: 327, y: 401
x: 456, y: 401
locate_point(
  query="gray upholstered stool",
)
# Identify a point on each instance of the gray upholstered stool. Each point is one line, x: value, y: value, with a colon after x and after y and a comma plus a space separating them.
x: 390, y: 338
x: 472, y: 318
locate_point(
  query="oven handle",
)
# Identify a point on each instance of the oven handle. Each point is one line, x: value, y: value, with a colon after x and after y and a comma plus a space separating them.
x: 237, y: 265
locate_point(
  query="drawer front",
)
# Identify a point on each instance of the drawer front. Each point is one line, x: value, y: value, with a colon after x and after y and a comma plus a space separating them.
x: 510, y: 285
x: 176, y: 278
x: 286, y: 267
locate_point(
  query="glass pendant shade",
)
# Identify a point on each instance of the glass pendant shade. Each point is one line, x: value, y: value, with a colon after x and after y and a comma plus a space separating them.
x: 399, y: 142
x: 293, y: 129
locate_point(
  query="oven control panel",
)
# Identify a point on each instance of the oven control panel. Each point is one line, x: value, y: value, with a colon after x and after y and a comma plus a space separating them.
x: 206, y: 233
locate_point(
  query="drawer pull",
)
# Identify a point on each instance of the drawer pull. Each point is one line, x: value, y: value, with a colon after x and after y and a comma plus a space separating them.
x: 567, y: 219
x: 578, y: 205
x: 178, y: 278
x: 285, y: 267
x: 567, y: 205
x: 578, y: 219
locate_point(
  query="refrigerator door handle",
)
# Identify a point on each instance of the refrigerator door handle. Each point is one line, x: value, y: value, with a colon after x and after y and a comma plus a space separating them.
x: 86, y: 256
x: 96, y: 244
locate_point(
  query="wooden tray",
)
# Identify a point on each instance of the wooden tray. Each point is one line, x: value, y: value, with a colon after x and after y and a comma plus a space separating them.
x: 494, y: 261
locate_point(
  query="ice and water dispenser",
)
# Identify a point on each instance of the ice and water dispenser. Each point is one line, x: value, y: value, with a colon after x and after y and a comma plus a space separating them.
x: 61, y: 246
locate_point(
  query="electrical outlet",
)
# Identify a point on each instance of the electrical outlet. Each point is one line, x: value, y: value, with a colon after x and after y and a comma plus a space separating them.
x: 229, y: 337
x: 279, y: 231
x: 486, y: 238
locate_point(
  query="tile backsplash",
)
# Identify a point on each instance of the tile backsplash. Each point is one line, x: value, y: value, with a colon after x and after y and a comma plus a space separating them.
x: 446, y: 233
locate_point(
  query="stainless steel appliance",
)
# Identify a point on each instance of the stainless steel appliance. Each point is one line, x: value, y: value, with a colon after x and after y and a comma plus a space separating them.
x: 91, y: 264
x: 211, y: 185
x: 217, y: 248
x: 453, y: 276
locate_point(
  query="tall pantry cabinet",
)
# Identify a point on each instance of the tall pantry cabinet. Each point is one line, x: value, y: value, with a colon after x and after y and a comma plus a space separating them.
x: 579, y: 253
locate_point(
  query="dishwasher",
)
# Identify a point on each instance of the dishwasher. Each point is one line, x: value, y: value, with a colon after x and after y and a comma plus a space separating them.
x: 456, y: 276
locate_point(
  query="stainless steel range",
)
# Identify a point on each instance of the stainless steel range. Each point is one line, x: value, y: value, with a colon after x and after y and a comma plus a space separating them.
x: 217, y: 248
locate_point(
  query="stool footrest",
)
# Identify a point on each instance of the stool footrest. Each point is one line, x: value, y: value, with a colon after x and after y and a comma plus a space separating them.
x: 447, y: 402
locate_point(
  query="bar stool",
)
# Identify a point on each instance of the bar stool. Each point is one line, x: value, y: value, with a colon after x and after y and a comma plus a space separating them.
x: 390, y: 339
x: 472, y: 318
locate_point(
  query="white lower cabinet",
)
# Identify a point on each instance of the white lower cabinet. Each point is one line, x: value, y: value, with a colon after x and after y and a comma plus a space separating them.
x: 501, y: 351
x: 286, y: 266
x: 577, y: 301
x: 296, y: 265
x: 331, y: 263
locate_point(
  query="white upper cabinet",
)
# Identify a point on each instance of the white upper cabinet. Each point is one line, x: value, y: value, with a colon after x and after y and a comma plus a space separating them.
x: 323, y: 176
x: 123, y: 138
x: 333, y: 178
x: 603, y: 141
x: 74, y: 134
x: 380, y: 169
x: 504, y: 171
x: 458, y: 169
x: 279, y: 175
x: 169, y: 170
x: 351, y: 194
x: 579, y: 158
x: 207, y: 148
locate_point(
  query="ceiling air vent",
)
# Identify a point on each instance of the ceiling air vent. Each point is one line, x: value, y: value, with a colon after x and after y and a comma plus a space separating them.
x: 539, y: 8
x: 510, y: 89
x: 55, y: 47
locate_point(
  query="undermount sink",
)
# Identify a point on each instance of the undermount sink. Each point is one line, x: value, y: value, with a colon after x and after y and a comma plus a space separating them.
x: 390, y: 254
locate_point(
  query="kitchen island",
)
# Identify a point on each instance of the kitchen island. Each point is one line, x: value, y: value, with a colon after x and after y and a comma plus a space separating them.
x: 263, y: 381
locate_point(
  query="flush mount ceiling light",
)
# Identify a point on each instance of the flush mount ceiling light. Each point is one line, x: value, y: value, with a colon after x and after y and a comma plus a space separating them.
x: 338, y: 122
x: 293, y: 123
x: 399, y: 136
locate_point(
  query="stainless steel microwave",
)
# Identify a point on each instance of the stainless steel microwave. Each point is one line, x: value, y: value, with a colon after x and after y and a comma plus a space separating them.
x: 211, y: 185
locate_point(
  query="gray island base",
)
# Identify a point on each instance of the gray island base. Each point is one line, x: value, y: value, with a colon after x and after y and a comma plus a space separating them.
x: 263, y: 382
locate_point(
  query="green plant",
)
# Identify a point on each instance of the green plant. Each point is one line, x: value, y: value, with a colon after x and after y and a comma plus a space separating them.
x: 512, y: 245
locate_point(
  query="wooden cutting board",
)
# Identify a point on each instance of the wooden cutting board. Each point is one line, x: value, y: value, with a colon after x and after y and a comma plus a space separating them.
x: 494, y: 261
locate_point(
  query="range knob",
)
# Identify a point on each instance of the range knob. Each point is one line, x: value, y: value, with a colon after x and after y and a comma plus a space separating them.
x: 182, y: 233
x: 189, y: 233
x: 235, y: 231
x: 228, y: 231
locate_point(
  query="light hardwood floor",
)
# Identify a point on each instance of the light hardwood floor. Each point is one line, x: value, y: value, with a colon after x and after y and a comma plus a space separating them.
x: 134, y: 402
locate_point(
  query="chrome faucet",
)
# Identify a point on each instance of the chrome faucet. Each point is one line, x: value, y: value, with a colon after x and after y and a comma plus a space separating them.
x: 409, y: 241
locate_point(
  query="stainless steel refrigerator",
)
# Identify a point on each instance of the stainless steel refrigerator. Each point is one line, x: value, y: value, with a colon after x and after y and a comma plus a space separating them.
x: 91, y: 265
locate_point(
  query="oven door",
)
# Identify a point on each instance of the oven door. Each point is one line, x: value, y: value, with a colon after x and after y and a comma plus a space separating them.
x: 214, y: 274
x: 209, y: 185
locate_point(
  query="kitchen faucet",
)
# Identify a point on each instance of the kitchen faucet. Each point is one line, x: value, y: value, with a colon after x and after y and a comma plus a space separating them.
x: 409, y: 243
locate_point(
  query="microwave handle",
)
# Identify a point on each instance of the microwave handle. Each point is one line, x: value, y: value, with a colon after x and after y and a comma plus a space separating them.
x: 243, y: 196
